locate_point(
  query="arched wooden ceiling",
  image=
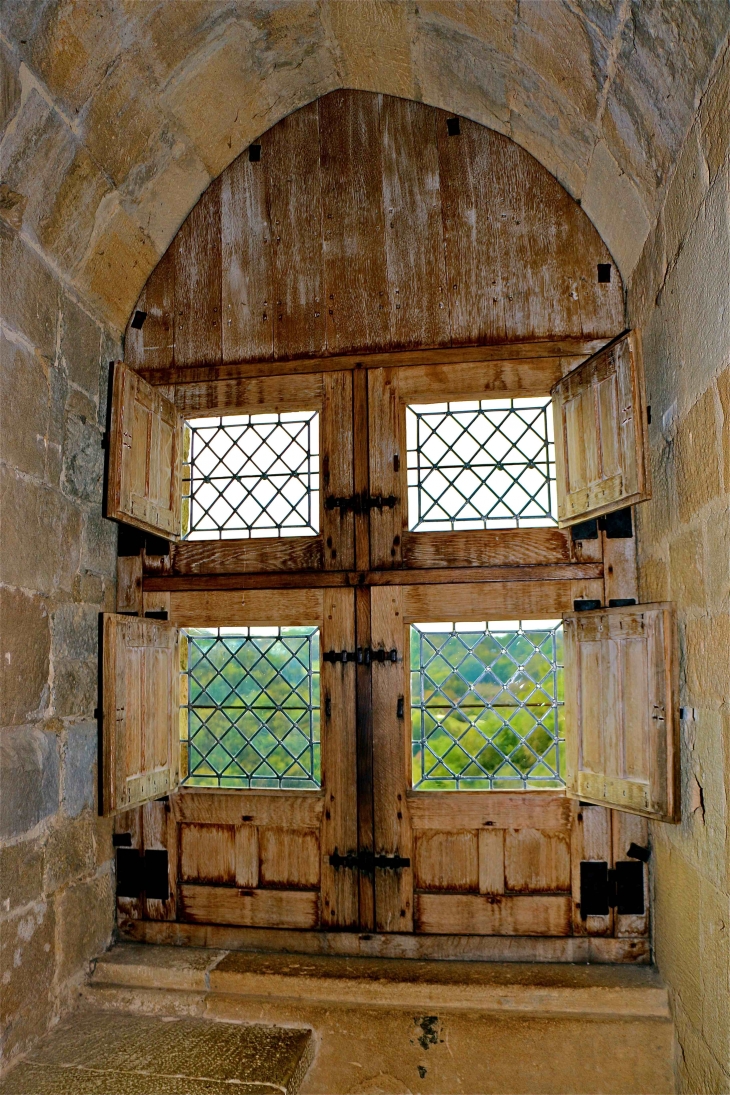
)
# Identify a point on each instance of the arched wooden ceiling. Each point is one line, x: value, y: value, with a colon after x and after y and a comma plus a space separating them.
x: 359, y: 223
x: 118, y: 115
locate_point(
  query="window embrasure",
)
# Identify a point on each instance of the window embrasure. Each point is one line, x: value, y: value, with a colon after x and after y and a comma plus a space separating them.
x: 250, y: 707
x: 481, y: 464
x: 487, y: 705
x: 251, y: 475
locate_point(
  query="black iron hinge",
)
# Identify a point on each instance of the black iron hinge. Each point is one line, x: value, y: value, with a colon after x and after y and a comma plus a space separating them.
x: 142, y: 872
x: 367, y: 861
x: 361, y: 503
x: 602, y: 888
x: 364, y: 655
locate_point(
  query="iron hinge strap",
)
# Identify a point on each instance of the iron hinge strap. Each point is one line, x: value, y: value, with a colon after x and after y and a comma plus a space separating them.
x: 367, y: 861
x: 360, y: 503
x: 364, y: 655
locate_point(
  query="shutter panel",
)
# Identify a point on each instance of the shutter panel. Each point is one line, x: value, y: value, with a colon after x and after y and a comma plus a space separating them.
x: 621, y: 710
x: 145, y: 456
x: 140, y: 729
x: 600, y: 434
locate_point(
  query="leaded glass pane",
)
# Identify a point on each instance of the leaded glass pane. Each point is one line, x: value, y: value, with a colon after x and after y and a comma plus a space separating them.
x: 481, y: 464
x: 487, y: 705
x: 251, y: 475
x: 253, y: 707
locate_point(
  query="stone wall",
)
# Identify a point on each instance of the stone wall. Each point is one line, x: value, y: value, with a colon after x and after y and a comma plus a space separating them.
x: 680, y: 297
x: 57, y: 565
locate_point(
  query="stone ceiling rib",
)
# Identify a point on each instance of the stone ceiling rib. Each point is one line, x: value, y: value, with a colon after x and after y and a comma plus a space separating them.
x: 116, y: 116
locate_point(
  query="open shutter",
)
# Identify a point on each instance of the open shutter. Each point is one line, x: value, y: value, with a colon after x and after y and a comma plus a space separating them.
x: 600, y: 434
x: 140, y: 728
x: 620, y: 709
x: 145, y: 456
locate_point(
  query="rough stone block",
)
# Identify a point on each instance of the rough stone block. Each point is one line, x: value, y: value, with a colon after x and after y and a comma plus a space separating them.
x: 83, y: 458
x: 375, y: 44
x: 24, y: 402
x: 88, y: 588
x: 30, y: 297
x: 615, y: 205
x: 69, y: 218
x: 40, y: 536
x: 80, y: 347
x: 79, y: 767
x: 713, y: 116
x: 686, y: 568
x: 9, y: 86
x: 27, y: 957
x: 99, y: 545
x: 70, y: 852
x: 75, y: 692
x: 653, y: 579
x: 677, y: 927
x: 647, y: 277
x: 723, y: 389
x: 698, y: 456
x: 707, y: 655
x: 85, y: 917
x: 29, y: 778
x: 686, y: 193
x: 23, y: 657
x: 21, y: 874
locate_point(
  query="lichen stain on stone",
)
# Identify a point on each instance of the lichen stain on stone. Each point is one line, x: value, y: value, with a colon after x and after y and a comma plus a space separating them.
x: 430, y: 1030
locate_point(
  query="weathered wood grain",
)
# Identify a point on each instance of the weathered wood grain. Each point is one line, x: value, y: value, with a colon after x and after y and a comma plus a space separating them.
x: 198, y: 273
x: 301, y: 809
x: 268, y: 554
x: 446, y: 810
x: 492, y: 914
x: 253, y: 608
x: 250, y: 908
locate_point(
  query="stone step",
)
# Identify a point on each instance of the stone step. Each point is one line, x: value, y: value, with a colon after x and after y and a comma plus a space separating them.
x: 559, y: 989
x: 406, y: 1026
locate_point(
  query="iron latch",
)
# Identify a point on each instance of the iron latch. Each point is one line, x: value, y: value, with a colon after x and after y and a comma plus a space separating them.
x: 602, y: 888
x: 364, y: 655
x: 367, y: 861
x: 361, y: 503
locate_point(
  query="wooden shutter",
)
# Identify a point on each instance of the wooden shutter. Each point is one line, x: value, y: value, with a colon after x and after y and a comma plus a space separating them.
x: 140, y: 729
x: 145, y: 452
x: 620, y: 709
x: 600, y: 434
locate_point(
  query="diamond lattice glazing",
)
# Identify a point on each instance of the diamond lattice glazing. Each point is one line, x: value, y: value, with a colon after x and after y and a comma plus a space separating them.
x: 251, y: 476
x: 482, y: 464
x: 487, y: 706
x: 253, y: 708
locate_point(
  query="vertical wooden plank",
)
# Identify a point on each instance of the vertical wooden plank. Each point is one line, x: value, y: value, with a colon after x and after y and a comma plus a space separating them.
x: 491, y: 861
x: 364, y: 732
x: 339, y: 887
x: 387, y: 467
x: 356, y: 289
x: 361, y: 461
x: 414, y: 245
x: 289, y: 859
x: 620, y: 578
x: 290, y: 157
x: 590, y: 839
x: 627, y: 829
x: 129, y: 584
x: 198, y: 283
x: 246, y: 855
x: 246, y: 279
x: 391, y: 748
x: 207, y: 854
x: 159, y: 833
x: 336, y: 448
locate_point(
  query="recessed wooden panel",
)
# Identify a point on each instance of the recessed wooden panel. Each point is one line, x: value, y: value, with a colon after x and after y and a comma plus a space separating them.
x: 140, y: 711
x: 207, y: 854
x: 476, y: 914
x: 487, y: 600
x: 491, y: 547
x: 289, y: 860
x: 249, y: 908
x: 621, y: 708
x: 446, y: 861
x: 490, y: 809
x: 536, y: 861
x: 144, y: 475
x: 601, y: 443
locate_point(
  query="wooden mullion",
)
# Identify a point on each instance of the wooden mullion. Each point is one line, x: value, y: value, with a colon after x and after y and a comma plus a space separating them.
x: 364, y: 735
x: 361, y: 464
